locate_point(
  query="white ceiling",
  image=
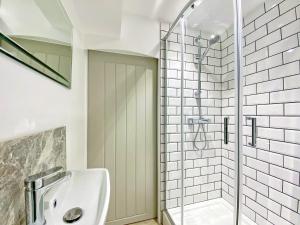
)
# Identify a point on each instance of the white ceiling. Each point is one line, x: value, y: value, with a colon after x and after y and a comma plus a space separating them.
x: 37, y: 19
x: 96, y: 17
x: 162, y: 10
x: 104, y: 18
x: 215, y: 16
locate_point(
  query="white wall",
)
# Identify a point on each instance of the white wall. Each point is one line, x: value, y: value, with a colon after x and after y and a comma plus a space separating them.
x: 139, y: 35
x: 30, y: 102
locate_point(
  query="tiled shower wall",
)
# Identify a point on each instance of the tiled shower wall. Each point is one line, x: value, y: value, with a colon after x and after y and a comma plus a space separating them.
x: 202, y: 175
x: 271, y: 191
x: 272, y: 95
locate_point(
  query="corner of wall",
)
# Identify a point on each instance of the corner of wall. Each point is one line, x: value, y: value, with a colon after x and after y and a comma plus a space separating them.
x: 77, y: 156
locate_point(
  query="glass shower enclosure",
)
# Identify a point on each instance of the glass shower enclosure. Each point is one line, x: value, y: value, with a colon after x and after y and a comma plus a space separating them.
x: 223, y: 80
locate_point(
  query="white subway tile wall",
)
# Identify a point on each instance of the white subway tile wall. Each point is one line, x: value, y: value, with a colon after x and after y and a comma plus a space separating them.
x: 272, y: 95
x: 271, y: 190
x: 202, y: 177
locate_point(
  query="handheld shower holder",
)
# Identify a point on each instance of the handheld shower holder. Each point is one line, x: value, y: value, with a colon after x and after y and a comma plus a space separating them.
x: 197, y: 94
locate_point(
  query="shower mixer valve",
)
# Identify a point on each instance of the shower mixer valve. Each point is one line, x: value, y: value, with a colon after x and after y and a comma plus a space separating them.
x: 198, y: 120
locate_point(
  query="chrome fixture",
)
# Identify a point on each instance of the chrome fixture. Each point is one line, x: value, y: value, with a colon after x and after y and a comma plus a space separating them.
x: 73, y: 215
x: 226, y: 136
x: 200, y: 120
x: 36, y: 186
x: 191, y: 5
x: 213, y: 40
x: 253, y: 131
x: 193, y: 121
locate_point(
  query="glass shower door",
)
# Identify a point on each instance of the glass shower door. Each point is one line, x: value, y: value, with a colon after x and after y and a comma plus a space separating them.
x: 271, y: 165
x: 201, y: 160
x: 207, y: 180
x: 209, y: 114
x: 172, y: 156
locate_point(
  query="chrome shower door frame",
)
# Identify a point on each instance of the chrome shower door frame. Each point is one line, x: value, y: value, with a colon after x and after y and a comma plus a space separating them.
x: 238, y: 25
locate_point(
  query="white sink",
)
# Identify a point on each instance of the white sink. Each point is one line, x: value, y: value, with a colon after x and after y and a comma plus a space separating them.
x: 87, y: 189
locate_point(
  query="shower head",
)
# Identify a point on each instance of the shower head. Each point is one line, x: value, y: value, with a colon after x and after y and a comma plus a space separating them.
x: 214, y: 39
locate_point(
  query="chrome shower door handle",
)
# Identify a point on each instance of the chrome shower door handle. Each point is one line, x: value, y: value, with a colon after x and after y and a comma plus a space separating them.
x: 253, y: 131
x: 226, y: 137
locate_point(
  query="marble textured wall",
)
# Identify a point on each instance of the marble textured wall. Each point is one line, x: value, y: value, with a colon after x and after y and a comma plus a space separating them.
x: 20, y: 158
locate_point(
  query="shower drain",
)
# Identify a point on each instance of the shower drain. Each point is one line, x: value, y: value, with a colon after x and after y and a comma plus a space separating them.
x: 73, y: 215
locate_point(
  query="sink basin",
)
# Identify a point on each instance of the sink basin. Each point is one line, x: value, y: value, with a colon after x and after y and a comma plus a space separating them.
x: 87, y: 189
